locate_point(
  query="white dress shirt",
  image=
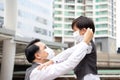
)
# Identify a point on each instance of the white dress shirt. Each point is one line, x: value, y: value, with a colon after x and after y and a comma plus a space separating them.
x: 91, y: 77
x: 55, y: 70
x: 66, y: 53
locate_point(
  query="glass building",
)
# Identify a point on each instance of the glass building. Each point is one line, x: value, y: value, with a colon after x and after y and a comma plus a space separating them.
x: 103, y: 12
x: 34, y: 20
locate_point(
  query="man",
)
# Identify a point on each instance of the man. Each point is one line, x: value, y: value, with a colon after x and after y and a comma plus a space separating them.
x: 87, y: 68
x: 36, y: 52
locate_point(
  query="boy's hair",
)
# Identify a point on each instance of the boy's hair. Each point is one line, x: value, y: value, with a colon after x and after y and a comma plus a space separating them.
x: 83, y: 22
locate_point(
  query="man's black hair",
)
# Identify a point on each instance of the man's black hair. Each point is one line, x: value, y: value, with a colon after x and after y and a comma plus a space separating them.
x: 31, y: 49
x: 83, y: 22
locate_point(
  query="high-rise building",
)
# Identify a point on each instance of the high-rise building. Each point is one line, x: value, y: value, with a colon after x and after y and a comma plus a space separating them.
x: 103, y: 13
x: 34, y: 19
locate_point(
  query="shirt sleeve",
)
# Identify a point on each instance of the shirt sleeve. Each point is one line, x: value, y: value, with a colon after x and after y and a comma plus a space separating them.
x: 63, y: 55
x: 66, y: 53
x: 55, y: 70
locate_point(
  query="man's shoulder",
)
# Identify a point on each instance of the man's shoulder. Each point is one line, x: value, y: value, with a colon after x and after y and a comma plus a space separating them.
x: 29, y: 68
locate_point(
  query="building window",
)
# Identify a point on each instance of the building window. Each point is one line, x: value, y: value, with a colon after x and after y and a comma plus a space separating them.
x: 69, y: 7
x: 57, y: 25
x: 102, y: 13
x: 67, y: 26
x: 58, y: 32
x: 68, y: 13
x: 89, y: 14
x: 101, y: 25
x: 69, y: 1
x: 89, y: 1
x: 102, y: 19
x: 68, y: 33
x: 58, y: 12
x: 101, y: 0
x: 80, y: 14
x: 69, y: 19
x: 57, y: 6
x: 89, y: 7
x: 101, y: 32
x: 80, y: 1
x: 40, y: 30
x: 41, y: 20
x: 80, y: 7
x: 103, y: 6
x: 58, y: 19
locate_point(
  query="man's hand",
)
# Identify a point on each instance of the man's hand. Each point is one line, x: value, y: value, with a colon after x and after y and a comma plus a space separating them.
x: 45, y: 65
x: 88, y: 35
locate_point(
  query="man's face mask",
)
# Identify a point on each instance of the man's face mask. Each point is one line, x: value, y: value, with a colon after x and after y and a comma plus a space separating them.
x: 77, y: 36
x: 50, y: 52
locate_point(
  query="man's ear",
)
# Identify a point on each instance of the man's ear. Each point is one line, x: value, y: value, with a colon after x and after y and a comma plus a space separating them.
x: 37, y: 56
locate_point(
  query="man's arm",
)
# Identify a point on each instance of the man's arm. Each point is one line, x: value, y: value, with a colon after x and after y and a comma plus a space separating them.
x: 63, y: 55
x: 56, y: 70
x: 59, y: 58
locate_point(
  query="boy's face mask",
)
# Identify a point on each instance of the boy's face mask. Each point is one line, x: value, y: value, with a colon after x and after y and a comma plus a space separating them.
x: 77, y: 36
x: 50, y: 52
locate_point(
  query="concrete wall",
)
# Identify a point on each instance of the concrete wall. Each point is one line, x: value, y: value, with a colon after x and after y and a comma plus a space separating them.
x: 105, y: 44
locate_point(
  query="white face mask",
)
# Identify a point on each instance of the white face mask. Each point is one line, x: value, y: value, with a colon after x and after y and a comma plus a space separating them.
x: 50, y: 52
x: 77, y: 36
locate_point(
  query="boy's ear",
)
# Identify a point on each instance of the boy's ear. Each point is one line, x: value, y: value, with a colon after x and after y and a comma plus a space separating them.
x: 84, y: 30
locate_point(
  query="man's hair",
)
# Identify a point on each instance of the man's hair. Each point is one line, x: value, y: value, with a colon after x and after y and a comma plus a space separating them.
x: 83, y: 22
x: 31, y: 49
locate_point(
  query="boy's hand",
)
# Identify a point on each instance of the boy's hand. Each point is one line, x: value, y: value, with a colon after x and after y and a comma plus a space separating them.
x: 88, y: 35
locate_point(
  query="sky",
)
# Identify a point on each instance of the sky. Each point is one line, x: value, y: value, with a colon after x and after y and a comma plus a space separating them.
x: 118, y: 22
